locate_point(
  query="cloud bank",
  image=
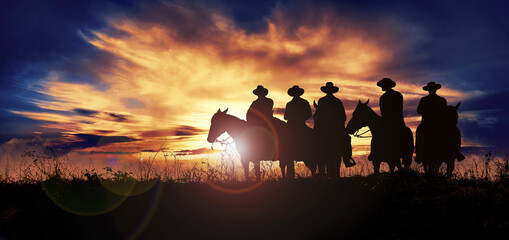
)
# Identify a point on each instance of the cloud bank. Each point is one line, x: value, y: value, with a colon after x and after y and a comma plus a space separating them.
x: 165, y: 67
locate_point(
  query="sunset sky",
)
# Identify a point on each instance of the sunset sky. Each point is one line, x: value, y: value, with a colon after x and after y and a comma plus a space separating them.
x: 120, y: 77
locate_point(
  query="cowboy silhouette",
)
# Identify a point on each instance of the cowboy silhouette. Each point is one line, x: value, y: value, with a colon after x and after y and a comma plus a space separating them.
x: 391, y: 108
x: 391, y: 103
x: 260, y: 111
x: 330, y: 118
x: 299, y: 134
x: 298, y: 109
x: 432, y: 108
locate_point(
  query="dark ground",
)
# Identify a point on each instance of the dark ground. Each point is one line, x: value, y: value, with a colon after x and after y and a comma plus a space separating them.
x: 397, y: 206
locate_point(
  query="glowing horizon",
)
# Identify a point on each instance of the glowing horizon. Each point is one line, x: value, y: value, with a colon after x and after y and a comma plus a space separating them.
x: 163, y: 79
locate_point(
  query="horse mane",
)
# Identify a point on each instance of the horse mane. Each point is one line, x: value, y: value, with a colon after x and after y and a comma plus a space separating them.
x: 279, y: 120
x: 238, y: 119
x: 235, y: 118
x: 278, y: 123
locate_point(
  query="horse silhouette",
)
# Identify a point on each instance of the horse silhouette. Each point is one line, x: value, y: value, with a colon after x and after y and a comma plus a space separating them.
x: 255, y: 143
x: 384, y: 148
x: 444, y: 145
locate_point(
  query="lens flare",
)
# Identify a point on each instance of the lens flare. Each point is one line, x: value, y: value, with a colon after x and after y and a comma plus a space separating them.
x: 156, y: 198
x: 91, y: 199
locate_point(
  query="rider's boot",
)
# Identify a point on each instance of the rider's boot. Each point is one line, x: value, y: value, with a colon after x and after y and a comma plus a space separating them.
x: 460, y: 157
x: 349, y: 163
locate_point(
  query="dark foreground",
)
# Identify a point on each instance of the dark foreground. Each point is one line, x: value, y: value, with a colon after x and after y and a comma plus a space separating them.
x: 398, y: 206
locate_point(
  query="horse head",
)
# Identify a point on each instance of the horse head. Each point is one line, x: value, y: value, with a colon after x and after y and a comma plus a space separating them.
x: 451, y: 116
x: 321, y: 116
x: 217, y: 125
x: 316, y: 111
x: 360, y: 117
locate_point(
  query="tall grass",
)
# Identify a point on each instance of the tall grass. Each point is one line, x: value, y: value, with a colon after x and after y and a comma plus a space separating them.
x: 166, y: 165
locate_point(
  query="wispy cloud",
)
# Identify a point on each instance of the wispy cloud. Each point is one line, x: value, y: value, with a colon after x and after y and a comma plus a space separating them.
x: 174, y: 64
x: 85, y: 112
x: 196, y: 151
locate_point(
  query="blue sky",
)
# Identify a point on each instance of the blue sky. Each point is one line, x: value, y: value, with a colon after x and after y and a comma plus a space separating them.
x: 464, y: 45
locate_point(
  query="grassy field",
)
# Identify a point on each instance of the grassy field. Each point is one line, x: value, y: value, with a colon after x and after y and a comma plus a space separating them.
x: 403, y: 205
x: 49, y: 197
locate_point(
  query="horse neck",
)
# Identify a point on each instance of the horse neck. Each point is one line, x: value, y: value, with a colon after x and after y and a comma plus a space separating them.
x: 374, y: 121
x: 234, y: 126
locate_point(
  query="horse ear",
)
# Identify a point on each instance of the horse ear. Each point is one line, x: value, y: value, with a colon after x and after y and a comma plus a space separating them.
x: 314, y: 104
x: 457, y: 105
x: 366, y: 103
x: 225, y: 110
x: 359, y: 102
x: 218, y: 110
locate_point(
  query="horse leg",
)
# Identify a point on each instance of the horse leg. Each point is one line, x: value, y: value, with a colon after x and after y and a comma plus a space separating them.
x: 331, y: 168
x: 321, y: 168
x: 392, y: 165
x: 407, y: 161
x: 310, y: 159
x: 312, y: 167
x: 282, y: 165
x: 245, y: 164
x: 435, y: 166
x: 320, y: 162
x: 408, y: 150
x: 398, y: 164
x: 290, y: 169
x: 337, y: 169
x: 376, y: 166
x: 431, y: 166
x: 257, y: 170
x: 450, y: 167
x: 425, y: 166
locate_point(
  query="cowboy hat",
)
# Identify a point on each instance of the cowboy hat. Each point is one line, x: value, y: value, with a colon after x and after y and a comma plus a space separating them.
x: 329, y: 88
x: 431, y: 86
x: 260, y: 91
x: 295, y: 91
x: 386, y: 82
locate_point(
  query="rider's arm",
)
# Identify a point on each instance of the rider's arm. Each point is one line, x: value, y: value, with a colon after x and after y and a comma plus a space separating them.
x: 286, y: 112
x: 308, y: 111
x: 342, y: 113
x: 420, y: 107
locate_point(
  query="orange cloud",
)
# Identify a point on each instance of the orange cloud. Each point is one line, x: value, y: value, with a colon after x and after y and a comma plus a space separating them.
x: 173, y: 81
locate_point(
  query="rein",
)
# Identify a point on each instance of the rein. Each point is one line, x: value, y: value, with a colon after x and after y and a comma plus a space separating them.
x: 360, y: 135
x: 222, y: 142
